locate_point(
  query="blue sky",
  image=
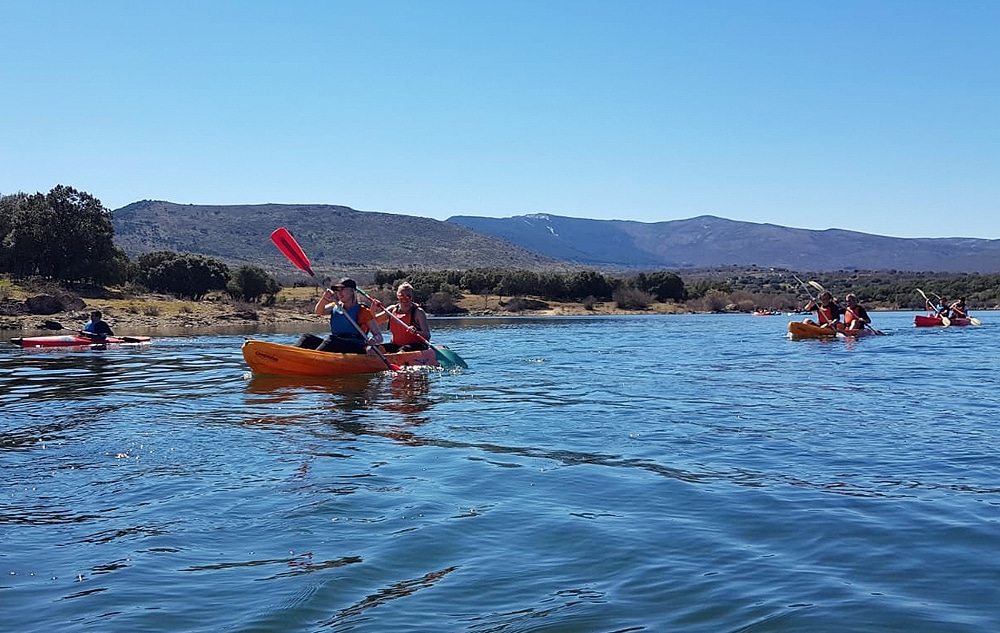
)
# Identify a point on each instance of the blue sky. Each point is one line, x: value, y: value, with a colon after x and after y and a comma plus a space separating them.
x: 874, y: 116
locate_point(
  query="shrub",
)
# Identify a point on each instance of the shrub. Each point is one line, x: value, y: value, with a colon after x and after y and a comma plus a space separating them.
x: 632, y: 298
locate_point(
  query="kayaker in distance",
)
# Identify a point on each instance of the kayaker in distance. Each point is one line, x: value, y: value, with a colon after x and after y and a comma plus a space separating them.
x: 855, y: 315
x: 827, y: 311
x: 405, y: 338
x: 341, y: 303
x: 97, y: 326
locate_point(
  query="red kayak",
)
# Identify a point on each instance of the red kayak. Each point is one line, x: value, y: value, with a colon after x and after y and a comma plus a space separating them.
x: 923, y: 320
x: 79, y: 340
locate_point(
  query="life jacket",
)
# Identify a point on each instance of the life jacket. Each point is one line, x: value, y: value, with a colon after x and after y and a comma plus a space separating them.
x: 340, y: 326
x: 825, y: 314
x: 400, y: 334
x: 850, y: 316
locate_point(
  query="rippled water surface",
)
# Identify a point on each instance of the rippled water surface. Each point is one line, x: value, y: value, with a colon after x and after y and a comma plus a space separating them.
x: 689, y: 473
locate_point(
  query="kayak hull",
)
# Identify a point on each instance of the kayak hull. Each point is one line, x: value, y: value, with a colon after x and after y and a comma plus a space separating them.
x: 801, y: 330
x: 77, y: 340
x: 923, y: 320
x: 276, y: 359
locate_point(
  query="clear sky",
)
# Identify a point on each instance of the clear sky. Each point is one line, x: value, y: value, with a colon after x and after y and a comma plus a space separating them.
x: 868, y: 115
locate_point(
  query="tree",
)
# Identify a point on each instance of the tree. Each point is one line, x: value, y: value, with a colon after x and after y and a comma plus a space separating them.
x: 661, y: 284
x: 181, y: 274
x: 250, y: 283
x: 65, y: 235
x: 582, y: 284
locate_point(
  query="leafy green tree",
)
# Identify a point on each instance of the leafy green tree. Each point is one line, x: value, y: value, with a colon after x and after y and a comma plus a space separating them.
x: 582, y: 284
x: 181, y: 274
x: 65, y: 234
x: 251, y: 283
x: 663, y: 285
x: 480, y: 281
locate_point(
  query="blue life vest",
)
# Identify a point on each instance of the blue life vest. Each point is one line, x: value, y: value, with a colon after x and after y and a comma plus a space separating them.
x: 339, y: 324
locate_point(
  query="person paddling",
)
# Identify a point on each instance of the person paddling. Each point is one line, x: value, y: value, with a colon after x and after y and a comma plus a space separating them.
x: 827, y: 311
x: 347, y: 316
x: 96, y: 327
x: 958, y: 310
x: 855, y: 315
x: 411, y: 326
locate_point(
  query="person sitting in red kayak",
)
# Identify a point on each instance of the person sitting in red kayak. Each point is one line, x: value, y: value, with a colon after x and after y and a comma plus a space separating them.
x: 96, y: 327
x: 827, y: 311
x: 958, y: 310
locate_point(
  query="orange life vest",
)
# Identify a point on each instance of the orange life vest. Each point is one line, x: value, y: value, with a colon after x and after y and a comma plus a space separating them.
x: 400, y: 334
x: 825, y: 315
x: 850, y: 317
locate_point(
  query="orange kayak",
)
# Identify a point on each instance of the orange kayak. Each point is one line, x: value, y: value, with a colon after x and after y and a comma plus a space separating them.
x: 287, y: 360
x: 801, y: 330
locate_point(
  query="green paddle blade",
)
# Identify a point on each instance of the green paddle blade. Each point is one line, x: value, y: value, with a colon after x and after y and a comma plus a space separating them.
x: 447, y: 358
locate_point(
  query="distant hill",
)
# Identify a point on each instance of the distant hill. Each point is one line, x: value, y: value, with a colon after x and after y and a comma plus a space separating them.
x: 336, y: 239
x: 711, y: 242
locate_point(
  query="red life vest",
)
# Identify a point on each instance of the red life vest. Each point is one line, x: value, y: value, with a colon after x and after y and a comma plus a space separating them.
x: 825, y: 315
x: 850, y: 317
x: 401, y: 335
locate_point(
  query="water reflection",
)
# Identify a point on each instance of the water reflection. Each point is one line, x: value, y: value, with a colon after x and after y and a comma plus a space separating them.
x: 346, y: 403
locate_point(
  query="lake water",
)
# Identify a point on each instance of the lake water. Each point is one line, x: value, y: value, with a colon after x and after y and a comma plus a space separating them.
x: 681, y: 473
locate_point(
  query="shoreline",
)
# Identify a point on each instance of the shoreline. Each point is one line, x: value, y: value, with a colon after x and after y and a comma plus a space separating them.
x: 156, y: 312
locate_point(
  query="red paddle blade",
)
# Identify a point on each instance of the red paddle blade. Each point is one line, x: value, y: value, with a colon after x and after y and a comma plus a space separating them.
x: 291, y: 249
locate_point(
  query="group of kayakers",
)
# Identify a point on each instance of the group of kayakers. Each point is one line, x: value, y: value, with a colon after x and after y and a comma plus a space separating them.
x: 855, y: 316
x: 355, y: 328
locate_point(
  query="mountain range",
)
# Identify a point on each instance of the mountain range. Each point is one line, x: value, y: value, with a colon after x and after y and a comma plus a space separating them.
x: 711, y: 242
x: 340, y: 239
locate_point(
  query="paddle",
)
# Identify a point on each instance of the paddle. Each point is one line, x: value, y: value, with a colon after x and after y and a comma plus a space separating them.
x: 445, y: 357
x: 103, y: 338
x: 291, y: 249
x: 818, y: 286
x: 945, y: 321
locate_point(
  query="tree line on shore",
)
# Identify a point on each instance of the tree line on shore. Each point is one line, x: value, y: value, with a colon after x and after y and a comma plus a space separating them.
x: 67, y: 236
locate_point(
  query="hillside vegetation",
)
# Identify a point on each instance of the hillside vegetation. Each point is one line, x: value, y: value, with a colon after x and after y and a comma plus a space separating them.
x: 337, y: 239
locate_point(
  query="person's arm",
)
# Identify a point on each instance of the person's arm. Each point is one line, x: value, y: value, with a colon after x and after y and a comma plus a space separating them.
x: 325, y: 299
x: 375, y: 332
x: 371, y: 324
x: 382, y: 316
x: 422, y: 327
